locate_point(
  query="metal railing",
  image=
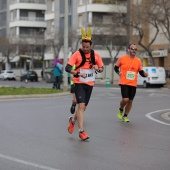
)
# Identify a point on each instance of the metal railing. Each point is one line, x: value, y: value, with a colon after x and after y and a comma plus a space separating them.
x: 117, y: 2
x: 31, y: 19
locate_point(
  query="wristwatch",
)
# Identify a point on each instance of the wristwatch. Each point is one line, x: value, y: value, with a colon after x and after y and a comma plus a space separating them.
x: 77, y: 74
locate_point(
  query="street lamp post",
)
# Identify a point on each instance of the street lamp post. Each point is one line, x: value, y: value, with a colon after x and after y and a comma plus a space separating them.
x: 65, y: 85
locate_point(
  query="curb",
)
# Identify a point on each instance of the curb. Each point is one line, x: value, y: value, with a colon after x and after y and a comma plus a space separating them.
x: 33, y: 95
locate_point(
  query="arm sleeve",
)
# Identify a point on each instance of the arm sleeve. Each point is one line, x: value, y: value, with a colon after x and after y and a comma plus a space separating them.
x: 116, y: 68
x: 68, y: 68
x: 142, y: 73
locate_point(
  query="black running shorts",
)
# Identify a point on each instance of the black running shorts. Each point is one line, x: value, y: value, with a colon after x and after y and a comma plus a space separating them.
x: 83, y: 93
x: 72, y: 88
x: 128, y: 91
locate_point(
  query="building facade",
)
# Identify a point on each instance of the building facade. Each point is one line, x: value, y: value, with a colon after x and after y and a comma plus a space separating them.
x: 25, y: 28
x: 37, y: 28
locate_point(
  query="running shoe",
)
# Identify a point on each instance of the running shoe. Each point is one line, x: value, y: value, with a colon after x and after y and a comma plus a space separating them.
x: 119, y: 115
x: 125, y: 119
x: 83, y: 135
x: 72, y: 109
x: 71, y: 125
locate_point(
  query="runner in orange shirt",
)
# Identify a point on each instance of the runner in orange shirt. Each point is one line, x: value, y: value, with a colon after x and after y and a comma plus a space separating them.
x: 129, y: 65
x: 84, y: 78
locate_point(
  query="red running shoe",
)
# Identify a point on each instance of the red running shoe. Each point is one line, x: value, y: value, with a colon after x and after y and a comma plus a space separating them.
x: 83, y: 135
x: 71, y: 125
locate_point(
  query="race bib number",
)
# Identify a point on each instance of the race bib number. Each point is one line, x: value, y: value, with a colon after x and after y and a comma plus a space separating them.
x: 130, y: 75
x: 90, y: 75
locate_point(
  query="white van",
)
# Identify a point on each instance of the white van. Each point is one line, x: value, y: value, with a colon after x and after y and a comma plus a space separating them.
x: 156, y: 76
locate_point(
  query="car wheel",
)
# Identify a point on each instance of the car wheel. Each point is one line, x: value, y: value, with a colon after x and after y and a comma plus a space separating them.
x: 145, y: 84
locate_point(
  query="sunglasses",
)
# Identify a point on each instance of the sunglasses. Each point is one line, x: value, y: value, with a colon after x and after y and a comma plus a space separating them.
x: 134, y: 49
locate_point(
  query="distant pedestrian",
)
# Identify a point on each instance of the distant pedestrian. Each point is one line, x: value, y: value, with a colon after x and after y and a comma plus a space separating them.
x: 58, y: 70
x: 42, y: 74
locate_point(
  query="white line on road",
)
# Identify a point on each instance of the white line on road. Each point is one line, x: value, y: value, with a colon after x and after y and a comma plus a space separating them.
x: 166, y: 116
x: 26, y: 163
x: 148, y: 115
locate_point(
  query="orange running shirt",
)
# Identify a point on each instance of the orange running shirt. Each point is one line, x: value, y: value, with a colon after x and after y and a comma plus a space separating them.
x: 129, y: 67
x: 76, y: 59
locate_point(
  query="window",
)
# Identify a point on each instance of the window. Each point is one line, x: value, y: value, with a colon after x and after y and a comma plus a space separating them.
x: 80, y: 21
x: 80, y: 2
x: 137, y: 2
x: 53, y: 5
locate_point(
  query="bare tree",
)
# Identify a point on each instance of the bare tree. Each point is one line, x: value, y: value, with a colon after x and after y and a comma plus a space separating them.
x: 74, y: 40
x: 112, y: 36
x: 34, y: 46
x: 58, y: 41
x: 8, y: 50
x: 161, y: 10
x: 143, y: 22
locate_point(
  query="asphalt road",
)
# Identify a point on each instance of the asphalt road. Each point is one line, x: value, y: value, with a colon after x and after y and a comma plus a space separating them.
x: 34, y: 133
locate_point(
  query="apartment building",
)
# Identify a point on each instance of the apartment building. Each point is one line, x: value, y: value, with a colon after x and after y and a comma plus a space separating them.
x: 160, y: 46
x: 40, y: 25
x: 3, y: 18
x: 102, y: 16
x: 54, y: 34
x: 24, y: 25
x: 96, y: 14
x: 3, y: 23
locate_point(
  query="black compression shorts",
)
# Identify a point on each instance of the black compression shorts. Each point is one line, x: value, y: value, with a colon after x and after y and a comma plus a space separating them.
x: 128, y: 91
x: 83, y: 93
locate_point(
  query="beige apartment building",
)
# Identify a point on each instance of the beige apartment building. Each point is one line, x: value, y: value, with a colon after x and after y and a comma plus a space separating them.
x: 160, y: 47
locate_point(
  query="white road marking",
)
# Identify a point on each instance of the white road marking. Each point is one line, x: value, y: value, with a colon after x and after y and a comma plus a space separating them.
x: 158, y: 95
x: 26, y: 163
x: 148, y: 115
x: 166, y: 116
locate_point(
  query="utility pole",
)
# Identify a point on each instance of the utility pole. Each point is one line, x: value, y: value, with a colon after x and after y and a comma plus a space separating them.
x: 128, y: 20
x: 65, y: 84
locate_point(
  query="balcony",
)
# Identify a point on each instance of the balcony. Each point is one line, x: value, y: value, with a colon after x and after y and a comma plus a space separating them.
x: 28, y: 4
x: 102, y: 6
x: 28, y: 23
x: 28, y: 1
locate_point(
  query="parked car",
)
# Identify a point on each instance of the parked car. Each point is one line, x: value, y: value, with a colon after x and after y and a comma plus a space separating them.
x: 48, y: 75
x: 29, y: 75
x: 7, y: 75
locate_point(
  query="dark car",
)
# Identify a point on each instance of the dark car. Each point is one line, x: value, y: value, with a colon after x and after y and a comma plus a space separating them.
x: 29, y: 75
x: 48, y: 75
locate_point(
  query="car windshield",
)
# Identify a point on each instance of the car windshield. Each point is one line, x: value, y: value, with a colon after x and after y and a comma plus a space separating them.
x: 30, y: 72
